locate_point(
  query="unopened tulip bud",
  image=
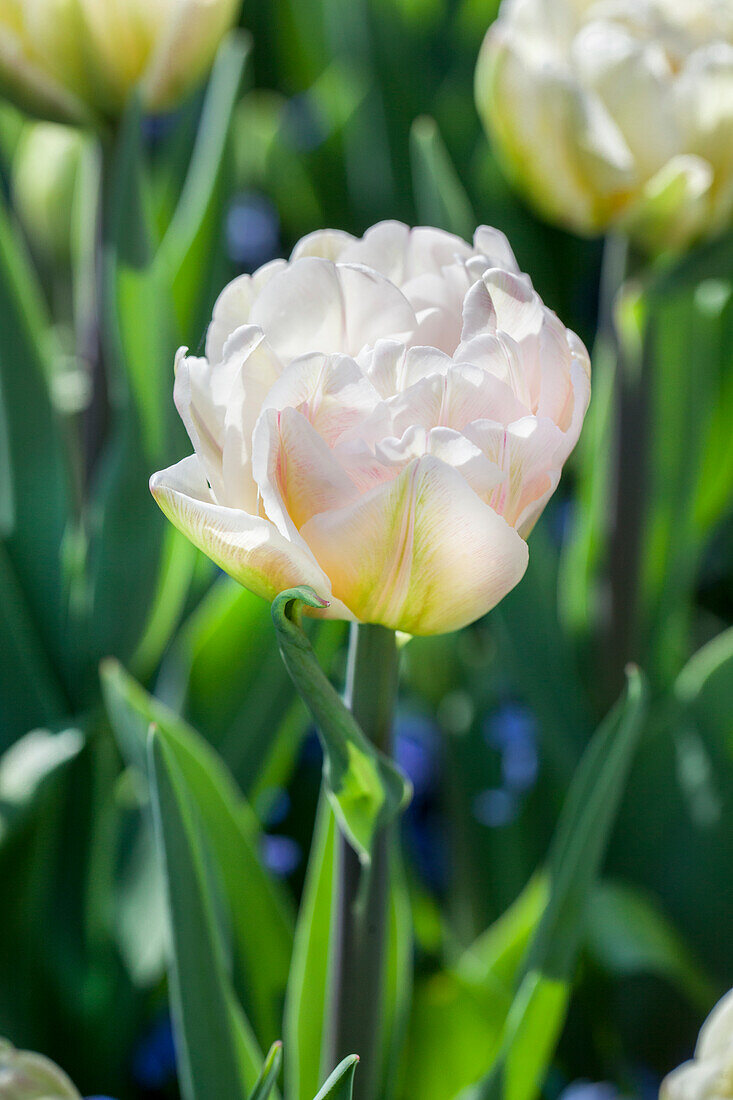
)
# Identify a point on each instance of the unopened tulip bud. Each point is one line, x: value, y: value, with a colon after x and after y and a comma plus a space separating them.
x: 70, y: 60
x: 44, y: 173
x: 615, y: 113
x: 28, y: 1076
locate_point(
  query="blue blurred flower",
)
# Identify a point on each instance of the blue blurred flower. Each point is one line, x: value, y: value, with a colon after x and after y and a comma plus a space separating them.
x: 416, y: 742
x: 154, y: 1061
x: 589, y: 1090
x: 280, y: 854
x: 495, y: 807
x: 512, y: 729
x: 252, y: 231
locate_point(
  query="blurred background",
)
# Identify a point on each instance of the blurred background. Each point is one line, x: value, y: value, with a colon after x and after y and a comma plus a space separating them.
x: 333, y: 114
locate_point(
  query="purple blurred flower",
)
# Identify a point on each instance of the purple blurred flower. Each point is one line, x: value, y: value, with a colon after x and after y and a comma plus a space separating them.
x: 280, y: 854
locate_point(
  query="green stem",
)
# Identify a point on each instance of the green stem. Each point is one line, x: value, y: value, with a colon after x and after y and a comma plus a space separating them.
x: 357, y: 976
x: 630, y: 472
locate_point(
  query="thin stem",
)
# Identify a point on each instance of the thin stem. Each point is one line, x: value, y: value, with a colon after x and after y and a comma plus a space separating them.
x: 629, y: 484
x: 357, y: 978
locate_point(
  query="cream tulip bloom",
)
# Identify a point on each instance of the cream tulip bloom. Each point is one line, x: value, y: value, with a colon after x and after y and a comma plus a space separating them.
x: 709, y: 1075
x: 615, y: 113
x: 383, y: 419
x: 68, y: 60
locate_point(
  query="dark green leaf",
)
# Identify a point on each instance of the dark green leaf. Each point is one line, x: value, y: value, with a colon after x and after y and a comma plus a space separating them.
x: 306, y: 1002
x: 538, y: 1010
x: 217, y: 1053
x: 260, y: 919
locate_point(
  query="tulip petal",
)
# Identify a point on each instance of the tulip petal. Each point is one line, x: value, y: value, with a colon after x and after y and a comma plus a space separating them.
x: 297, y: 472
x: 330, y: 391
x: 493, y: 246
x: 317, y: 305
x: 527, y: 452
x: 453, y: 399
x: 249, y: 548
x: 421, y: 554
x: 232, y: 307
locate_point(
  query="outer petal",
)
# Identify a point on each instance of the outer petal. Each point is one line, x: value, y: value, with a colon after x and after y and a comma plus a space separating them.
x: 421, y: 554
x: 249, y: 548
x: 531, y: 109
x: 25, y: 79
x: 528, y: 452
x: 296, y: 471
x: 716, y: 1034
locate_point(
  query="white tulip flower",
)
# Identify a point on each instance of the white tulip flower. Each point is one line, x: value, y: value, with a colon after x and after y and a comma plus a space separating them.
x: 709, y: 1075
x: 68, y: 60
x: 615, y: 113
x: 383, y: 419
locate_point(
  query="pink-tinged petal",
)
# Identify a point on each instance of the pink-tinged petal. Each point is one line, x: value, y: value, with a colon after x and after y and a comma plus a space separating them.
x: 331, y: 392
x: 421, y: 554
x: 392, y: 366
x: 232, y: 307
x: 450, y: 447
x: 528, y: 452
x: 518, y: 309
x: 501, y: 357
x: 316, y: 305
x: 452, y: 400
x: 249, y: 548
x: 556, y: 398
x: 296, y: 471
x: 493, y: 246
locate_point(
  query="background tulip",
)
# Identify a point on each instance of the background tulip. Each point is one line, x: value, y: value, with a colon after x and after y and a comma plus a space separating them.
x: 709, y: 1076
x: 383, y: 419
x: 70, y: 59
x: 615, y: 113
x: 28, y: 1076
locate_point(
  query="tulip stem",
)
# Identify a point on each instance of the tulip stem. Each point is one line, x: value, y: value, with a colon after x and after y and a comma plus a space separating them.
x: 629, y: 485
x: 357, y: 977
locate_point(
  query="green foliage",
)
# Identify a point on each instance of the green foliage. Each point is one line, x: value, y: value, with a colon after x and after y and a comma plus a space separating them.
x: 317, y: 115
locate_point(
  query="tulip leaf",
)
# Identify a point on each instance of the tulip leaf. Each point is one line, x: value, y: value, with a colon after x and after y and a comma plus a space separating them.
x: 259, y: 914
x: 366, y: 790
x: 439, y: 194
x: 538, y: 1010
x: 340, y: 1085
x: 306, y: 1001
x: 628, y: 934
x: 269, y: 1073
x: 36, y: 493
x: 125, y: 534
x: 191, y: 246
x: 216, y: 1051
